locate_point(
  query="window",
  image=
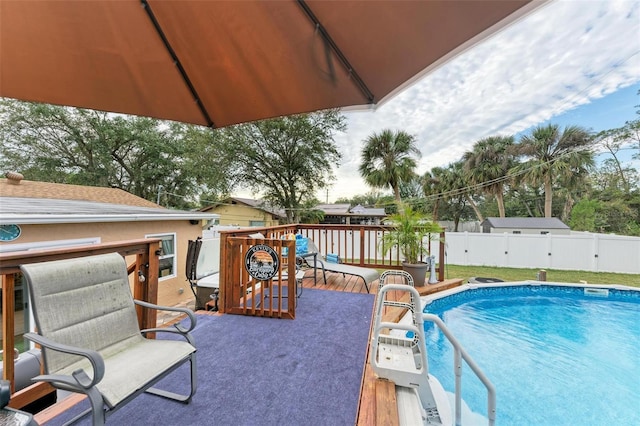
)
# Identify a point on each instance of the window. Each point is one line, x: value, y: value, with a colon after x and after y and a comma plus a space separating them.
x: 257, y: 223
x: 168, y: 265
x: 544, y: 232
x: 517, y: 232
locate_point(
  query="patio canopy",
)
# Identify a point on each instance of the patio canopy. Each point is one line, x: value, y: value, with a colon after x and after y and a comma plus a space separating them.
x: 218, y: 63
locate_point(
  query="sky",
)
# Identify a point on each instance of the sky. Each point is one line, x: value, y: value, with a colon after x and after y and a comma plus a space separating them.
x: 568, y: 62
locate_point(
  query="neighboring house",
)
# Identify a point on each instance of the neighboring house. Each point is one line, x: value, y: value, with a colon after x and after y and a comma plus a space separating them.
x: 245, y: 212
x: 47, y: 215
x: 358, y: 215
x: 524, y: 225
x: 365, y: 216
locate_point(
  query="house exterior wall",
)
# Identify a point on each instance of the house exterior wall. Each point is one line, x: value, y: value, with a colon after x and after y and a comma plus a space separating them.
x: 242, y: 215
x: 169, y: 293
x: 529, y: 231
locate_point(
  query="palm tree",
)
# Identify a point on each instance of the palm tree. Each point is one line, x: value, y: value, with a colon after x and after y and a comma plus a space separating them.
x: 553, y: 155
x: 433, y: 187
x: 488, y: 165
x: 387, y: 160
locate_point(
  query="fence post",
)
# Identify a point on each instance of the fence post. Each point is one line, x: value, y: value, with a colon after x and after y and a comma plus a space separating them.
x: 595, y: 243
x: 441, y: 257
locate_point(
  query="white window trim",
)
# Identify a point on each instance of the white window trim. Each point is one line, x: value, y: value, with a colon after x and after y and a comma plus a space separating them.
x: 174, y: 255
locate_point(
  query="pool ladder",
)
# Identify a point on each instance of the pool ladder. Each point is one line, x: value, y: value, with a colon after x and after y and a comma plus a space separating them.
x: 398, y: 353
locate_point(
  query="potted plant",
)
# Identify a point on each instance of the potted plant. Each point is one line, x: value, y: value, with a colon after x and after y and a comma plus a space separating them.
x: 408, y: 236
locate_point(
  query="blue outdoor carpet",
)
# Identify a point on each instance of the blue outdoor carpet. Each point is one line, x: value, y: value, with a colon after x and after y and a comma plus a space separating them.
x: 266, y: 371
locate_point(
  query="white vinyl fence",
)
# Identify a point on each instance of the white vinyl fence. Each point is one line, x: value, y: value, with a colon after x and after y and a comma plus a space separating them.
x: 578, y: 251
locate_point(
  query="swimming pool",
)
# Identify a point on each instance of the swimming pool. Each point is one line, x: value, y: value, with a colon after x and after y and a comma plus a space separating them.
x: 557, y: 354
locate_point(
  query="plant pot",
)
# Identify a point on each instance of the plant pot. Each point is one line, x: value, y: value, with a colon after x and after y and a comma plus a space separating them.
x: 418, y: 271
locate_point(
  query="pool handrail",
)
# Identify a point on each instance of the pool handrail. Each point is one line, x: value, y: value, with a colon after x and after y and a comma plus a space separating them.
x: 459, y: 355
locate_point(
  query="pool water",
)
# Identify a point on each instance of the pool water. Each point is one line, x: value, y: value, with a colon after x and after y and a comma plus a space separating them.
x: 555, y: 355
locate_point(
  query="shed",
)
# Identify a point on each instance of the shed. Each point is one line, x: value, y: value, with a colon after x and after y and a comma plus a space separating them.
x: 525, y: 225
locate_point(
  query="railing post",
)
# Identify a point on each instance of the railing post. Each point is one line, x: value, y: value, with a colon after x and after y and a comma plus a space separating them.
x: 362, y: 262
x: 8, y: 324
x: 145, y: 279
x: 224, y: 294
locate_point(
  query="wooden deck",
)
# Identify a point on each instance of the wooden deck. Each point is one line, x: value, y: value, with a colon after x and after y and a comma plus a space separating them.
x: 377, y: 396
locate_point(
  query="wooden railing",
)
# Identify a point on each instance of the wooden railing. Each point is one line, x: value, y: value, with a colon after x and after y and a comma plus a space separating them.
x: 237, y: 292
x: 248, y: 295
x: 355, y: 244
x: 360, y: 245
x: 145, y: 287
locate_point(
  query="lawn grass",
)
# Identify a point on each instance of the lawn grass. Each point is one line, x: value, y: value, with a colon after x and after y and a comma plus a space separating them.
x: 553, y: 275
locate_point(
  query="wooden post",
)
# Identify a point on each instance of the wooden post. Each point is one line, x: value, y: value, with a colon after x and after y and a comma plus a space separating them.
x: 8, y: 323
x: 441, y: 258
x: 542, y: 275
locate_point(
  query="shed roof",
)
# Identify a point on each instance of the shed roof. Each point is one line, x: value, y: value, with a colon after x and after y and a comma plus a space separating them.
x: 525, y: 222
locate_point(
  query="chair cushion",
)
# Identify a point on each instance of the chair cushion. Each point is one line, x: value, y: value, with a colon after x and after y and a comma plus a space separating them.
x: 128, y: 370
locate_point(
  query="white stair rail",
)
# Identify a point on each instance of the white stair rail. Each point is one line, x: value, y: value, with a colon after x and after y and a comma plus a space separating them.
x: 459, y: 355
x: 402, y: 359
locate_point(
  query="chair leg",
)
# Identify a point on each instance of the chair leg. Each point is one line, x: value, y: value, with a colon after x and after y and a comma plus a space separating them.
x: 365, y: 284
x: 175, y: 396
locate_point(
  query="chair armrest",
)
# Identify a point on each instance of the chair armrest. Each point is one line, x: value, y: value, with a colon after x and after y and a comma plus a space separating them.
x: 78, y: 377
x: 181, y: 329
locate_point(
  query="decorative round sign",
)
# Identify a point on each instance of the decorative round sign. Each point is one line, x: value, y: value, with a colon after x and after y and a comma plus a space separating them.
x: 261, y: 262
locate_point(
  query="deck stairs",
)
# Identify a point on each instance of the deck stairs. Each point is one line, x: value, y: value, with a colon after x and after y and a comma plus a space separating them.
x: 398, y: 354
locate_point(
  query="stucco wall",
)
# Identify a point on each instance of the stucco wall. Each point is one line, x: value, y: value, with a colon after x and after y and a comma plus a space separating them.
x: 168, y: 289
x: 242, y: 215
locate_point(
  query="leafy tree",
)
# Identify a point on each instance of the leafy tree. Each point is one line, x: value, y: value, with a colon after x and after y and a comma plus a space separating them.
x: 487, y: 166
x: 449, y: 187
x: 613, y: 141
x: 77, y: 146
x: 388, y: 160
x: 309, y: 214
x: 583, y: 215
x: 553, y: 154
x: 287, y: 159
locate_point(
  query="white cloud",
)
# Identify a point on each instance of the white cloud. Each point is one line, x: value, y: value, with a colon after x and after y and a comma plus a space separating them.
x: 566, y: 54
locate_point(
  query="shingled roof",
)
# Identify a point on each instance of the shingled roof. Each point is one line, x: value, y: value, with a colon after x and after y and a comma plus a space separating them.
x: 30, y: 202
x: 61, y: 191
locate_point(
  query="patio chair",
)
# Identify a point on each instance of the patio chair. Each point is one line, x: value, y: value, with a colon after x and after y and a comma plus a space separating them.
x: 368, y: 275
x: 88, y: 328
